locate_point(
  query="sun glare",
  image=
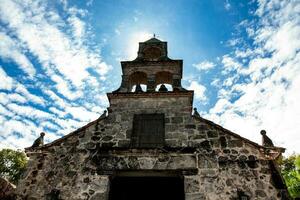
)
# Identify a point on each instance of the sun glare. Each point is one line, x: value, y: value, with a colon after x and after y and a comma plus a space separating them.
x: 133, y: 43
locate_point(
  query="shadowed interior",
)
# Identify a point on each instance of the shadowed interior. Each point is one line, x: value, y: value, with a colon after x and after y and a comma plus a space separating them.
x: 147, y: 188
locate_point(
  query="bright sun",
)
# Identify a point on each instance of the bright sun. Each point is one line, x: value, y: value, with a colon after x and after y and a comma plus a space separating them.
x: 133, y: 43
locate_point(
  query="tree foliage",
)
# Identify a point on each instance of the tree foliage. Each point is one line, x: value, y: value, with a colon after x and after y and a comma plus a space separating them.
x: 290, y: 169
x: 12, y: 164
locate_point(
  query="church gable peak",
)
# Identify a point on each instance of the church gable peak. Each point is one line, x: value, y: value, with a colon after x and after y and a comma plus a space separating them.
x: 153, y: 40
x: 152, y: 50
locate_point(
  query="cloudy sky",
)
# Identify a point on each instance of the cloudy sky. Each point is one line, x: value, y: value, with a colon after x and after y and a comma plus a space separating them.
x: 59, y: 58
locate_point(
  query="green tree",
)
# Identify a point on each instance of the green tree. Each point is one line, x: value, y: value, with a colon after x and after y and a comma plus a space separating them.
x: 12, y: 164
x: 290, y: 169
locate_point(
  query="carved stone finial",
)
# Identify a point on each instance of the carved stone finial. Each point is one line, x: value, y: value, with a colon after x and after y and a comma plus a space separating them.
x: 39, y: 141
x: 138, y: 88
x: 163, y: 88
x: 266, y: 141
x: 196, y: 114
x: 103, y: 114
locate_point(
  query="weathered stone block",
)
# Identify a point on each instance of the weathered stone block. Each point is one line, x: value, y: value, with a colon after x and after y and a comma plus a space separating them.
x: 190, y: 126
x: 260, y: 193
x: 235, y: 143
x: 212, y: 134
x: 203, y: 127
x: 172, y: 142
x: 99, y: 196
x: 195, y: 196
x: 107, y: 138
x: 191, y: 184
x: 205, y: 162
x: 90, y: 146
x: 177, y: 120
x: 146, y: 163
x: 124, y: 143
x: 197, y: 137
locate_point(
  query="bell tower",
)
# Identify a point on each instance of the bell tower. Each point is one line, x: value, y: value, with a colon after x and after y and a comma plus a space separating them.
x: 150, y: 69
x: 150, y: 97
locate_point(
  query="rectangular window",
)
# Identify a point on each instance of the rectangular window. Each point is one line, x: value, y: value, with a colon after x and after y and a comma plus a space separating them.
x: 148, y: 131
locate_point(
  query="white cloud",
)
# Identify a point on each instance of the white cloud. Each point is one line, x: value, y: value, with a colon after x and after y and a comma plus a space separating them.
x: 220, y: 107
x: 89, y: 2
x: 6, y: 82
x: 243, y: 53
x: 81, y: 113
x: 78, y: 27
x: 19, y: 88
x: 14, y: 125
x: 205, y: 65
x: 230, y: 81
x: 216, y: 83
x: 268, y: 100
x: 14, y: 97
x: 233, y: 42
x: 9, y: 49
x: 5, y: 112
x: 199, y: 90
x: 230, y: 64
x: 61, y: 103
x: 28, y: 133
x: 69, y: 67
x: 49, y: 125
x: 62, y: 87
x: 67, y: 125
x: 280, y: 41
x: 227, y: 5
x: 28, y: 111
x: 60, y: 113
x: 43, y: 37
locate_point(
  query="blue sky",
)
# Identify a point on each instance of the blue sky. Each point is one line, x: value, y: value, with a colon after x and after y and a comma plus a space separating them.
x: 59, y: 58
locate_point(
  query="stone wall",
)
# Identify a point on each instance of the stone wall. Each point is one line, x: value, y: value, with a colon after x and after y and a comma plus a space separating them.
x: 215, y: 163
x: 7, y: 189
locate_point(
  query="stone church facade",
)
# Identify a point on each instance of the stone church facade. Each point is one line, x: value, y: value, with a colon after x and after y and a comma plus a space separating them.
x: 151, y: 144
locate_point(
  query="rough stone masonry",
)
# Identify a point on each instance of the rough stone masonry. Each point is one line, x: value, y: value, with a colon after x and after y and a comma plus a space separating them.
x: 151, y: 130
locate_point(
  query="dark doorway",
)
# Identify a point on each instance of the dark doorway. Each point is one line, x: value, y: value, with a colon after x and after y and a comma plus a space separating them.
x: 147, y: 188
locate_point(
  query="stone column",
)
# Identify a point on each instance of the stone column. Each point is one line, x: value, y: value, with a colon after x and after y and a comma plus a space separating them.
x: 151, y: 83
x: 192, y: 188
x: 176, y: 82
x: 124, y: 84
x: 98, y: 187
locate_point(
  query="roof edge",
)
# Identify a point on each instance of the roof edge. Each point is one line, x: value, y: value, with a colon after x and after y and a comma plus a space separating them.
x: 151, y: 62
x: 66, y: 136
x: 151, y: 94
x: 281, y: 149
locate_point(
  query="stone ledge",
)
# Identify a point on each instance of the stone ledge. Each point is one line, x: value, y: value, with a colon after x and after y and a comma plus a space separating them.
x: 188, y: 93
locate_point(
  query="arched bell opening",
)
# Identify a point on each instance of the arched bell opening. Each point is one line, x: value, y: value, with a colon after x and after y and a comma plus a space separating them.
x: 163, y: 77
x: 163, y: 81
x: 137, y: 82
x: 139, y: 88
x: 164, y: 87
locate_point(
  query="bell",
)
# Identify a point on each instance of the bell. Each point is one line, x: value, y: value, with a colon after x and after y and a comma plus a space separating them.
x: 138, y: 88
x: 163, y: 88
